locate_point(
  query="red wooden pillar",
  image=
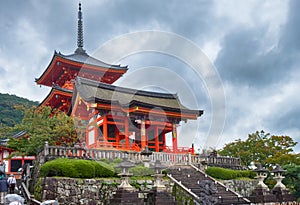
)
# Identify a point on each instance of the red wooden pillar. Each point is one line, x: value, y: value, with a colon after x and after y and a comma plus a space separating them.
x: 143, y: 134
x: 174, y: 138
x: 105, y: 131
x: 23, y: 160
x: 156, y: 139
x: 126, y: 122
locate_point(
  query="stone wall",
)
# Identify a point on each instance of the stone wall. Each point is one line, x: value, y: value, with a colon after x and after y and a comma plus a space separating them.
x: 70, y: 191
x: 243, y: 187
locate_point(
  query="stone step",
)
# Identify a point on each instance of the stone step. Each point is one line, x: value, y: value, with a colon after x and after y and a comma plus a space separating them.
x: 191, y: 178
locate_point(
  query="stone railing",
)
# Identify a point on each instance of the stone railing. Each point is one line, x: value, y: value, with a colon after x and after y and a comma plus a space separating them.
x: 218, y: 161
x: 168, y: 158
x: 78, y: 152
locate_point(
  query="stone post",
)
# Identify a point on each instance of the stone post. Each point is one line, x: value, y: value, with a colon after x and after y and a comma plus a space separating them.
x: 145, y: 153
x: 189, y: 159
x: 46, y: 151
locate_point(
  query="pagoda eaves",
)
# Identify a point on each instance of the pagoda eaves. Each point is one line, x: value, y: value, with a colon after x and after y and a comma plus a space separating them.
x: 59, y: 98
x: 63, y: 68
x: 132, y: 100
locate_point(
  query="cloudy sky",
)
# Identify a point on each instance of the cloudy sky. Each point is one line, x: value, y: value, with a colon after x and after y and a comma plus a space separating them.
x: 253, y: 45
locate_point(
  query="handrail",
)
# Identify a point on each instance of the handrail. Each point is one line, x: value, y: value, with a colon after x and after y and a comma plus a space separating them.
x: 223, y: 185
x: 27, y: 195
x: 184, y: 188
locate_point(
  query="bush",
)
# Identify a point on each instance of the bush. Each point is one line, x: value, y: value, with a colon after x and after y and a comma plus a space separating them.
x: 117, y: 161
x: 76, y: 168
x: 140, y: 170
x: 104, y: 170
x: 165, y: 172
x: 58, y: 167
x: 84, y: 168
x: 38, y: 190
x: 227, y: 174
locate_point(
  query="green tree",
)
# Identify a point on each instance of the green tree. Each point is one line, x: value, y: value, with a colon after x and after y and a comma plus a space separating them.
x: 43, y: 124
x: 9, y: 115
x: 292, y: 178
x: 4, y: 131
x: 264, y: 148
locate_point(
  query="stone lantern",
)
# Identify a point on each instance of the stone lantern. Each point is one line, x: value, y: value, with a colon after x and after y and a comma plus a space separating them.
x: 158, y: 167
x: 279, y: 190
x: 261, y: 174
x: 125, y: 166
x: 145, y: 153
x: 278, y: 171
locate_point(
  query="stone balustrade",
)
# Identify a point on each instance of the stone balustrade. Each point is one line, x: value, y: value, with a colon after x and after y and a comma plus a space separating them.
x: 167, y: 158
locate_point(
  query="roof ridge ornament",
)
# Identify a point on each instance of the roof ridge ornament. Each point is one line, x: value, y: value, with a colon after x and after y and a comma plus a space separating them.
x: 80, y: 49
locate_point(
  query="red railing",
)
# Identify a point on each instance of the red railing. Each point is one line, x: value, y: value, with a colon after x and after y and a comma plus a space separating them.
x: 136, y: 147
x: 114, y: 145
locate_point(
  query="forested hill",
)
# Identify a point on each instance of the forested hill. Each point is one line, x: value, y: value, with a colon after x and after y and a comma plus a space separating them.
x: 9, y: 115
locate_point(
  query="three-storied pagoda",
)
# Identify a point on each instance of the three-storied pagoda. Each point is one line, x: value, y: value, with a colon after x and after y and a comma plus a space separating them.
x: 63, y: 69
x: 118, y: 118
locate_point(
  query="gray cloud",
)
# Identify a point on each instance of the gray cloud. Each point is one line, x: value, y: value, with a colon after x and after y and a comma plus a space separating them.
x: 290, y: 42
x: 256, y: 56
x: 243, y: 59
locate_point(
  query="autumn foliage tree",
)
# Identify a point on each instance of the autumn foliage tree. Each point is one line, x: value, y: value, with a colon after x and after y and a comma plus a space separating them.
x: 264, y: 148
x: 41, y: 125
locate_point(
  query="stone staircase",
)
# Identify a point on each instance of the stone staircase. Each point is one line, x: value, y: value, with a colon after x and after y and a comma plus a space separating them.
x: 207, y: 189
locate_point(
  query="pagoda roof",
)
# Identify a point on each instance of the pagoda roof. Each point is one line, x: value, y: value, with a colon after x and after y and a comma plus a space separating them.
x: 63, y: 68
x: 97, y: 92
x: 56, y: 96
x: 77, y: 61
x: 84, y: 58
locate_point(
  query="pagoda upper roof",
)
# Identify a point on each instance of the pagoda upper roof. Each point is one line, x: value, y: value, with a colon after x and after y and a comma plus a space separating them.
x: 97, y: 92
x: 63, y: 68
x: 84, y: 58
x: 66, y: 67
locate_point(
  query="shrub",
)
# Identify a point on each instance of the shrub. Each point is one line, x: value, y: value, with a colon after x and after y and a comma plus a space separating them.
x: 84, y: 168
x: 104, y: 160
x: 165, y: 172
x: 104, y: 170
x: 58, y: 167
x: 226, y: 174
x: 38, y: 190
x: 140, y: 170
x: 76, y: 168
x: 117, y: 161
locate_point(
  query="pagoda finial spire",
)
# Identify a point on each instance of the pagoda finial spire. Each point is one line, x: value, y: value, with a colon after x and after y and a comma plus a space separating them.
x: 80, y: 33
